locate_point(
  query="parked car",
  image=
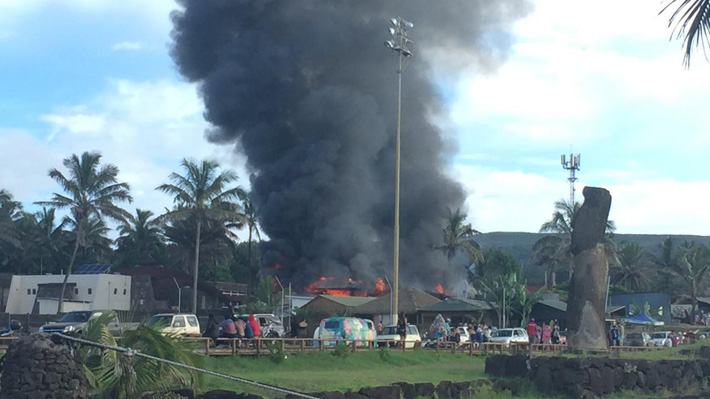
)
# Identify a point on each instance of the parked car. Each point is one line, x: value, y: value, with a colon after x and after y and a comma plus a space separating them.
x: 75, y: 322
x: 662, y: 338
x: 390, y: 333
x: 345, y: 329
x: 638, y: 339
x: 183, y: 324
x: 509, y: 336
x: 269, y: 324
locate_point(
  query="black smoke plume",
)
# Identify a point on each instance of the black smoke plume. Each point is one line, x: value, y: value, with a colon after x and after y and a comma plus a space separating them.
x: 307, y: 91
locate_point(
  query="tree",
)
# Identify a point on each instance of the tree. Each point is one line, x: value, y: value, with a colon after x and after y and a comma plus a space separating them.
x: 252, y: 226
x: 141, y: 239
x: 691, y: 267
x: 499, y: 293
x: 691, y: 21
x: 523, y: 301
x: 114, y: 375
x: 91, y: 190
x: 632, y: 272
x: 202, y: 195
x: 10, y: 211
x: 497, y: 262
x: 553, y: 250
x: 458, y: 236
x: 52, y: 238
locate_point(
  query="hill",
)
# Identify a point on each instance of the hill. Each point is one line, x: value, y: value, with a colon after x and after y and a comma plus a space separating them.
x: 520, y: 245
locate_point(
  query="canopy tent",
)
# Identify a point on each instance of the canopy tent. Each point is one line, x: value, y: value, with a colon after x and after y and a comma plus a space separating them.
x: 643, y: 318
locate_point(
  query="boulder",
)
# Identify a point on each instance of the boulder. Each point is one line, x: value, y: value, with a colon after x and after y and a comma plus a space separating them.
x: 409, y: 391
x: 424, y: 389
x: 384, y: 392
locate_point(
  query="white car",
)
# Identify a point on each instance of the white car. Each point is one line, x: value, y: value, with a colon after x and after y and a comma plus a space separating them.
x: 510, y: 335
x: 390, y: 333
x: 662, y: 338
x: 182, y: 324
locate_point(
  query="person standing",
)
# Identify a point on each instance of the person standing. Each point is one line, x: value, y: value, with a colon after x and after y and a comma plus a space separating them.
x: 531, y: 329
x: 546, y: 334
x: 402, y: 327
x: 212, y: 329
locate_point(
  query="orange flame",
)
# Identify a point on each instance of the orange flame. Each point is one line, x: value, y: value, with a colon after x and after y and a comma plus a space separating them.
x: 439, y: 289
x: 379, y: 285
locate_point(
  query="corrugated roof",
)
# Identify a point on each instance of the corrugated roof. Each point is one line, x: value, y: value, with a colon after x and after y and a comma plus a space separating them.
x: 349, y: 301
x: 411, y: 300
x: 457, y: 305
x: 559, y: 305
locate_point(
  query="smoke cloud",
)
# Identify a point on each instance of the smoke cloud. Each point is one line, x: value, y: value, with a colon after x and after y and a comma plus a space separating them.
x: 307, y: 91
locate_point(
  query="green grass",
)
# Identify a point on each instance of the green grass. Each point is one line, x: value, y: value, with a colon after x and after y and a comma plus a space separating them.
x: 321, y: 371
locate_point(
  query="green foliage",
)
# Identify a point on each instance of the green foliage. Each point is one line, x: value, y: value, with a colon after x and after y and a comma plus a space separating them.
x: 341, y: 350
x: 458, y: 236
x: 384, y: 354
x: 276, y: 352
x: 162, y: 395
x: 498, y: 262
x: 115, y: 375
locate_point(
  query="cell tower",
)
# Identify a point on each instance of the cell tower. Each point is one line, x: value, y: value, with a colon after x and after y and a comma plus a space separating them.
x: 572, y: 165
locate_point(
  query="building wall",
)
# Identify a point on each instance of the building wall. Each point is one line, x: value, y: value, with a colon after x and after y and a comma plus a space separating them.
x: 102, y: 291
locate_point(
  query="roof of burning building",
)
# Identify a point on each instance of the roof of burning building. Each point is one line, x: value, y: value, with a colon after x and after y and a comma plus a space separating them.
x: 411, y: 300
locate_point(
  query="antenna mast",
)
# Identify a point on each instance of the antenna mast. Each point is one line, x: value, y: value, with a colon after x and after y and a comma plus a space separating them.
x: 572, y: 165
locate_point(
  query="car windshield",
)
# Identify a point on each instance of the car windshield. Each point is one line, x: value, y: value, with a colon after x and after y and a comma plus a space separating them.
x: 392, y: 330
x: 659, y: 335
x: 503, y: 333
x: 163, y: 320
x: 75, y: 317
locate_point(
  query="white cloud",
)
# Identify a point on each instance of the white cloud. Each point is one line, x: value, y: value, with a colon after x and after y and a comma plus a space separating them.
x: 130, y: 46
x: 145, y: 128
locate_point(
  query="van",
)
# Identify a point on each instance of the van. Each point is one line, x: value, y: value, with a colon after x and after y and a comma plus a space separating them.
x: 182, y: 324
x: 346, y: 329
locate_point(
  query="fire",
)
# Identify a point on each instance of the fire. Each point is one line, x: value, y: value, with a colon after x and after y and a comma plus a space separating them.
x: 338, y: 292
x: 379, y: 286
x: 439, y: 289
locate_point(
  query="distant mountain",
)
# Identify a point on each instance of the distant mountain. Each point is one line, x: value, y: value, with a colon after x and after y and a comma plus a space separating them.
x: 520, y: 245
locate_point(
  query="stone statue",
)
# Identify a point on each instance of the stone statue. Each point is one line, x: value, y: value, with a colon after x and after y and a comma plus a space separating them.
x: 585, y: 306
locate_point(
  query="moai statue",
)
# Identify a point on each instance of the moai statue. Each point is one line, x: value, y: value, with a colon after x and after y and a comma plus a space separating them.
x: 585, y: 306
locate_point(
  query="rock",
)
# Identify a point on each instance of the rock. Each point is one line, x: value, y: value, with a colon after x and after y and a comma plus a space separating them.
x: 425, y: 389
x: 409, y: 391
x: 585, y: 306
x: 384, y: 392
x: 330, y: 395
x: 220, y: 394
x: 355, y: 395
x: 185, y: 393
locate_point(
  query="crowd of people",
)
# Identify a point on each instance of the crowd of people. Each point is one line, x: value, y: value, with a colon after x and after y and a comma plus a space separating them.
x: 232, y: 327
x: 544, y: 333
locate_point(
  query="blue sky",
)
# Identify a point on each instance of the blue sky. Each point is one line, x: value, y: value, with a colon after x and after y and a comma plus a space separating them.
x: 96, y: 75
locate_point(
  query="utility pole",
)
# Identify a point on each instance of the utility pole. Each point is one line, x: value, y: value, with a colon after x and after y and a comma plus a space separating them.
x: 399, y: 43
x: 572, y: 165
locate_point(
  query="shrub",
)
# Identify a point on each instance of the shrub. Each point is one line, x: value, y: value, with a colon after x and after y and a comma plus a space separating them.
x: 384, y: 354
x: 276, y: 352
x: 341, y: 350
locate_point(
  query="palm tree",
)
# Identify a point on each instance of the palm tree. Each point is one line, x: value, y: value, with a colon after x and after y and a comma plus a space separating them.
x: 51, y: 237
x: 141, y: 239
x: 95, y: 244
x: 691, y: 267
x: 91, y: 190
x: 458, y: 236
x: 691, y: 21
x: 10, y: 212
x: 252, y: 225
x: 632, y: 272
x: 113, y: 375
x: 201, y: 194
x: 664, y: 263
x: 554, y: 250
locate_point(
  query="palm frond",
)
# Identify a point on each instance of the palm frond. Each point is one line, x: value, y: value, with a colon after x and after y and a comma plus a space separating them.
x: 690, y: 21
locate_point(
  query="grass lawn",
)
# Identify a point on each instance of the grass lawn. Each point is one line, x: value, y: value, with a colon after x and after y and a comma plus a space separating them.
x: 322, y: 371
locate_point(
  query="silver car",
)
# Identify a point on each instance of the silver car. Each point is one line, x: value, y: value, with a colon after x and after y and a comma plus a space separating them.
x: 75, y: 322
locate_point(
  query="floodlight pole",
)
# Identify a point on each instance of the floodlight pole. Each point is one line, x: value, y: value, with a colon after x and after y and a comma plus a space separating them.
x: 399, y: 43
x: 282, y: 299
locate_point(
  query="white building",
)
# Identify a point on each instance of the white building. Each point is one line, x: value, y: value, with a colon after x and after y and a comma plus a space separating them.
x: 40, y: 294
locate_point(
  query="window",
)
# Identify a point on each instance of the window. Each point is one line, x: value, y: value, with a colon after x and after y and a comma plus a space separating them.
x: 29, y: 291
x: 192, y: 320
x: 76, y: 291
x: 124, y: 291
x: 115, y: 291
x: 90, y: 291
x: 179, y: 321
x: 34, y: 291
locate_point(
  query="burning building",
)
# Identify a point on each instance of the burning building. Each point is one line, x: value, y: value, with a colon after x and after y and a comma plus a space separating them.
x: 306, y: 92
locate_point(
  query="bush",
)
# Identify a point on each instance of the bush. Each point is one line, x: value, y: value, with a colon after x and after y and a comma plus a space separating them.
x: 384, y: 354
x: 341, y: 350
x: 276, y: 352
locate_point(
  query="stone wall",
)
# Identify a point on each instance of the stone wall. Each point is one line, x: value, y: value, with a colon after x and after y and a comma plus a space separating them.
x: 36, y: 368
x: 590, y: 377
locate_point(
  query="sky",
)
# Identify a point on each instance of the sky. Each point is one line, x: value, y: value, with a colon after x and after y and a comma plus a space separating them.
x: 601, y: 79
